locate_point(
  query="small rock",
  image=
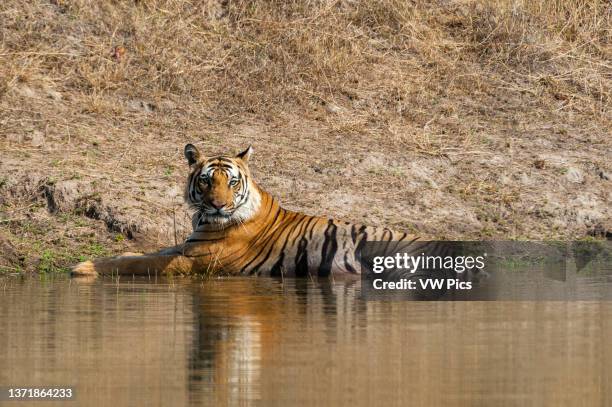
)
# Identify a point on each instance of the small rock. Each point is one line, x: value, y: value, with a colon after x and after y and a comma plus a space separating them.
x: 38, y: 138
x: 53, y: 94
x: 574, y: 175
x: 539, y: 164
x: 331, y: 108
x: 26, y: 91
x: 525, y: 179
x: 136, y: 105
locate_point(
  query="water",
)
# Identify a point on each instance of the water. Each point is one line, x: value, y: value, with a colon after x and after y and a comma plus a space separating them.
x: 249, y: 341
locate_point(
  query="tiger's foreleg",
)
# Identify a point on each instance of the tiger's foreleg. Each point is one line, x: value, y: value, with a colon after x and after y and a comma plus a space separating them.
x: 167, y: 261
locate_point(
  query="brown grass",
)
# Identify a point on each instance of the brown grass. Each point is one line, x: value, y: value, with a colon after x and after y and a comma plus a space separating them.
x: 422, y: 115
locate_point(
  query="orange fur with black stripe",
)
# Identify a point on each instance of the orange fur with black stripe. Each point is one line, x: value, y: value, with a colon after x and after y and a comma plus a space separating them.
x: 240, y: 229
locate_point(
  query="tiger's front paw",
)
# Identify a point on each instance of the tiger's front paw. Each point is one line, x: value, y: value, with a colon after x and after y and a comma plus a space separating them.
x: 85, y: 268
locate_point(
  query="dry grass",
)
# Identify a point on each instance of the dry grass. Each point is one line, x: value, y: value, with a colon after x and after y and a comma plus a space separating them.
x: 266, y: 57
x: 431, y: 113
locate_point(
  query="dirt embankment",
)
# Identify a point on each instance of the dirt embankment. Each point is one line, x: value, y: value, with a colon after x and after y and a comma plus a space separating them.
x: 452, y: 119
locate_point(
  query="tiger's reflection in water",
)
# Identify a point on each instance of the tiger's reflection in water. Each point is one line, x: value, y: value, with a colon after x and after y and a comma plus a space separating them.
x: 237, y: 343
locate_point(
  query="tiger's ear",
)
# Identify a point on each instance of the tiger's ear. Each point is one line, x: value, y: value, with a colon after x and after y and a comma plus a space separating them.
x: 192, y: 154
x: 244, y: 156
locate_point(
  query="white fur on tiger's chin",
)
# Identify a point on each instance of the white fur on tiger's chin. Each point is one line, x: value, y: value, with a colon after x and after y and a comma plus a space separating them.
x: 85, y: 268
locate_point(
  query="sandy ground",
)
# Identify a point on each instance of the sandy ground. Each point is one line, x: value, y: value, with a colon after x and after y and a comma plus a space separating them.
x: 444, y: 139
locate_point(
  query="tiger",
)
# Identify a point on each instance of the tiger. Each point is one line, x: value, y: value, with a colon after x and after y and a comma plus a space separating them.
x: 240, y: 229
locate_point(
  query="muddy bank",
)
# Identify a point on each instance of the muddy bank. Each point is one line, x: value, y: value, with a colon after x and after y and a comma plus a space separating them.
x: 49, y: 223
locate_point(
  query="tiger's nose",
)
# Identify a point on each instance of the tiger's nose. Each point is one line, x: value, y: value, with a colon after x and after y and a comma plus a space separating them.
x: 217, y: 204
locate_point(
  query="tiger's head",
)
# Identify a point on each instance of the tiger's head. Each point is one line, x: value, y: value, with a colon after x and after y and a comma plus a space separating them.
x: 220, y: 188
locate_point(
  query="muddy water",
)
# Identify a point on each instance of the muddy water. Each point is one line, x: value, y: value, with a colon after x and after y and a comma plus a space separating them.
x: 267, y: 342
